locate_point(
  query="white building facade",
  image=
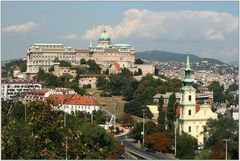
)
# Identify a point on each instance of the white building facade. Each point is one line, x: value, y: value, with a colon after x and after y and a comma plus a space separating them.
x: 14, y: 87
x: 73, y: 103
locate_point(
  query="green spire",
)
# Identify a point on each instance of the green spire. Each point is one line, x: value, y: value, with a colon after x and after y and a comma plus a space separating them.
x: 188, y: 67
x: 188, y: 81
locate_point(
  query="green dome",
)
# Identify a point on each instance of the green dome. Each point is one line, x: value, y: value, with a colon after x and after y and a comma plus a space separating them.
x: 104, y: 36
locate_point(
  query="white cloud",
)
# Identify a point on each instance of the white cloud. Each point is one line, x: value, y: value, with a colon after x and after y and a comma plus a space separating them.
x: 70, y: 37
x: 21, y: 27
x: 169, y: 25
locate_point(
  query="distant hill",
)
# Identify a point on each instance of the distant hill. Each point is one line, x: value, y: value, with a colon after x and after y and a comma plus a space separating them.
x: 3, y: 62
x: 170, y: 56
x: 234, y: 63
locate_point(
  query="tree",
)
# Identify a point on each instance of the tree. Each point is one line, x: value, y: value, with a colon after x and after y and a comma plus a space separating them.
x: 223, y: 128
x: 139, y: 72
x: 171, y: 112
x: 161, y: 115
x: 186, y: 145
x: 136, y: 132
x: 136, y: 108
x: 43, y: 135
x: 40, y: 75
x: 102, y: 83
x: 175, y: 84
x: 203, y: 155
x: 233, y: 87
x: 118, y: 82
x: 158, y: 141
x: 127, y: 73
x: 127, y: 93
x: 126, y: 120
x: 82, y: 61
x: 65, y: 64
x: 51, y: 69
x: 139, y: 61
x: 217, y: 150
x: 218, y: 91
x: 93, y: 68
x: 79, y: 90
x: 23, y: 65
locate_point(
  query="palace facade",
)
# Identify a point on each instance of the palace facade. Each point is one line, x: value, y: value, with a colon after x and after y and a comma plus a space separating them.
x: 42, y: 55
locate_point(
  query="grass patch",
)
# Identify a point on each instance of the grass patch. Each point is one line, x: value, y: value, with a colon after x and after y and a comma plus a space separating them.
x: 108, y: 102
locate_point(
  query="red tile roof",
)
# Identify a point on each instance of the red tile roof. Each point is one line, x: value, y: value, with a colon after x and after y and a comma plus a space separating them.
x: 16, y: 67
x: 93, y: 75
x: 178, y: 111
x: 165, y: 107
x: 74, y: 99
x: 40, y: 91
x: 197, y: 108
x: 117, y: 67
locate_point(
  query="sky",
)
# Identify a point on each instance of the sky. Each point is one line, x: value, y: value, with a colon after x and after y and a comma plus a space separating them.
x: 207, y: 29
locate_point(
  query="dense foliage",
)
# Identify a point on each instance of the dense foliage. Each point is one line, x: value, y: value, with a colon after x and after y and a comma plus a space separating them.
x: 139, y: 61
x: 136, y: 132
x: 223, y: 128
x: 186, y: 145
x: 65, y: 64
x: 44, y: 136
x: 161, y: 115
x: 158, y: 141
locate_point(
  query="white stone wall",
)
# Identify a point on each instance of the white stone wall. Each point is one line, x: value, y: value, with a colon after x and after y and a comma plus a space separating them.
x: 10, y: 90
x: 88, y: 80
x: 73, y: 108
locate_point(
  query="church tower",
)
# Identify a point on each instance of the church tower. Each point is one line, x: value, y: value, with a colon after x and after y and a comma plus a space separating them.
x: 193, y: 117
x: 56, y: 67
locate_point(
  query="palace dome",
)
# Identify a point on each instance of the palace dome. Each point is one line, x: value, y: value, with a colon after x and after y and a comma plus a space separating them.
x: 104, y: 36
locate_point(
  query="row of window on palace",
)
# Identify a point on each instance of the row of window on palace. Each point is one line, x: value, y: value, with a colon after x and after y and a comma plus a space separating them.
x: 52, y: 56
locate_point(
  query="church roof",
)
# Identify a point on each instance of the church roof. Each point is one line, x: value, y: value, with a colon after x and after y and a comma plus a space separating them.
x: 16, y: 67
x: 104, y: 36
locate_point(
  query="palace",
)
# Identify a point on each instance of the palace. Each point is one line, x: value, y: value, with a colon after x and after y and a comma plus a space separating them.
x: 42, y: 55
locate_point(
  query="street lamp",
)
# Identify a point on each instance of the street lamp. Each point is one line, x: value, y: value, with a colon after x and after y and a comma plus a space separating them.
x: 226, y: 140
x: 65, y: 120
x: 175, y: 138
x: 143, y: 126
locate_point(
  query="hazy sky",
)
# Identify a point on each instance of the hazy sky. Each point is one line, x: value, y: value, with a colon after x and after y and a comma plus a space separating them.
x: 208, y: 29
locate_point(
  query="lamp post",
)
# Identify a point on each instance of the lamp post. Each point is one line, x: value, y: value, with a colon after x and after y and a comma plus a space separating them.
x: 226, y: 140
x: 143, y: 126
x: 65, y: 120
x: 175, y: 138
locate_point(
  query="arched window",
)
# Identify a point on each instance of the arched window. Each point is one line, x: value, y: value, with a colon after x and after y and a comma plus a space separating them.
x: 189, y: 112
x: 189, y: 98
x: 189, y: 129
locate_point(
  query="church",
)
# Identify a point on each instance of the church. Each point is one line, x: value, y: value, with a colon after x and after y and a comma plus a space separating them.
x: 193, y: 117
x: 42, y: 55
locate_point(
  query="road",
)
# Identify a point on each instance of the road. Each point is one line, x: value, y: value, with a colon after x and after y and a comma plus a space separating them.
x: 141, y: 151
